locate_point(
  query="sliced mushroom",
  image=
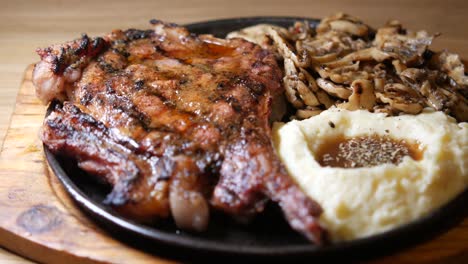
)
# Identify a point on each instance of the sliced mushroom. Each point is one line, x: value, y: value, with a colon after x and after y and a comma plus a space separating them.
x: 291, y: 94
x: 423, y: 81
x: 399, y: 104
x: 348, y: 74
x: 413, y: 77
x: 257, y: 34
x: 310, y: 80
x: 402, y: 89
x: 360, y: 55
x: 341, y: 74
x: 343, y: 23
x: 334, y: 89
x: 290, y: 83
x: 385, y: 33
x: 349, y: 27
x: 306, y: 94
x: 384, y: 108
x: 435, y: 97
x: 301, y: 31
x: 399, y: 67
x: 363, y: 96
x: 379, y: 84
x: 407, y: 46
x: 460, y: 109
x: 452, y: 65
x: 343, y: 56
x: 308, y: 112
x: 322, y: 96
x: 324, y: 99
x: 324, y: 58
x: 296, y: 82
x: 285, y: 49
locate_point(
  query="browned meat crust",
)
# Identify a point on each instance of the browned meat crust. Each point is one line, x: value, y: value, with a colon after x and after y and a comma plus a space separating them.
x: 176, y: 123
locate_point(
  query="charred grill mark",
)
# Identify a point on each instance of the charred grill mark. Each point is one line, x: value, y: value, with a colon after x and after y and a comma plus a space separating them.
x: 255, y: 88
x: 126, y: 105
x: 139, y: 85
x: 72, y: 53
x: 157, y: 21
x: 137, y: 139
x: 58, y: 64
x: 119, y: 46
x: 57, y: 126
x: 98, y: 45
x: 86, y: 119
x: 87, y: 132
x: 106, y: 66
x: 234, y: 103
x: 89, y: 120
x: 166, y: 101
x: 122, y: 52
x: 83, y: 47
x: 134, y: 34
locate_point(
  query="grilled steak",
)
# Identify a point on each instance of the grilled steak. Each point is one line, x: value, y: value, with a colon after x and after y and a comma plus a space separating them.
x: 175, y: 123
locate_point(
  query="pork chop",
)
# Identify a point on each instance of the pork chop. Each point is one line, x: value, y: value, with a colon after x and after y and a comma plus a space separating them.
x: 176, y: 123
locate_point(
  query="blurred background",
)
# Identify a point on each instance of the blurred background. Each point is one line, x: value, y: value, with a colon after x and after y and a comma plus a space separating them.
x: 27, y: 25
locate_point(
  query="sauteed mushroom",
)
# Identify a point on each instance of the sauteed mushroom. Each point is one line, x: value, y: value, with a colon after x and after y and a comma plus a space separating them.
x: 346, y: 63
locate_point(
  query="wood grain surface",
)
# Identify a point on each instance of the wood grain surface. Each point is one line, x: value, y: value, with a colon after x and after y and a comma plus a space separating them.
x: 26, y: 25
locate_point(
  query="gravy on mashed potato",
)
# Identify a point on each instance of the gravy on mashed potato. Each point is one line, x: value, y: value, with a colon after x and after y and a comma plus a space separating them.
x: 370, y: 172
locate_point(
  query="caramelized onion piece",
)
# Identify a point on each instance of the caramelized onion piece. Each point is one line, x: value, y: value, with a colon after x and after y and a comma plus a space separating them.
x: 189, y: 209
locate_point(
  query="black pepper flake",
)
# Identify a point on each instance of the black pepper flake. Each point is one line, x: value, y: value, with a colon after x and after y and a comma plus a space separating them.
x: 331, y: 124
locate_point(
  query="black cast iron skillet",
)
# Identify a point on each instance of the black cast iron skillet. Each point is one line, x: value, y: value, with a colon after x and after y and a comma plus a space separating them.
x: 268, y: 237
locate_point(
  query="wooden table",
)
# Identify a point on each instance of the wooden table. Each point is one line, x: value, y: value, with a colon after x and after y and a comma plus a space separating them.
x: 26, y: 25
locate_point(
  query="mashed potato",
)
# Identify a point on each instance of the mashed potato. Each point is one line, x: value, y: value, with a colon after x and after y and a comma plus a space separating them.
x: 361, y: 201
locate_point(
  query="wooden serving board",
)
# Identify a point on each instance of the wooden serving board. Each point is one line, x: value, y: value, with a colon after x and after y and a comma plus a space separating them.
x: 39, y: 221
